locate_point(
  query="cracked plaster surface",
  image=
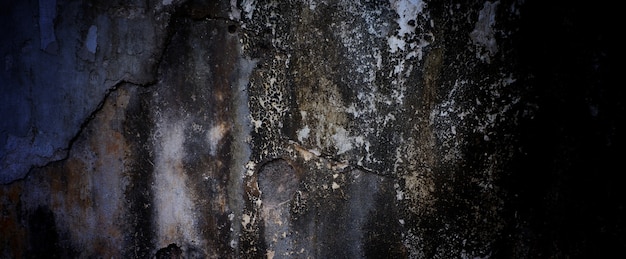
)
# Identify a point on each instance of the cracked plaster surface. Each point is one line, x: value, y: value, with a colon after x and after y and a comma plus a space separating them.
x: 49, y: 94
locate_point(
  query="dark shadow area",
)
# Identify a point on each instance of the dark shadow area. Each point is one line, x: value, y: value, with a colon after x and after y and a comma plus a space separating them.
x: 565, y: 193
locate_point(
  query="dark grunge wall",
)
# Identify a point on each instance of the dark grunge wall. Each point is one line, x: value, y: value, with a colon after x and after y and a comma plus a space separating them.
x: 310, y: 129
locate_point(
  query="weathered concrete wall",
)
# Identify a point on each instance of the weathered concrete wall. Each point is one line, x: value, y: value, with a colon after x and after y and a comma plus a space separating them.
x: 307, y: 129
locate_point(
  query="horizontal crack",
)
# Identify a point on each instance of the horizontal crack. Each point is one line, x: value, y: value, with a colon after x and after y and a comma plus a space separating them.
x: 333, y: 159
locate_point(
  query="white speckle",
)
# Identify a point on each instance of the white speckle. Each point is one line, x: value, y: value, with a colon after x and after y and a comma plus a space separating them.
x: 342, y: 141
x: 399, y: 195
x: 248, y: 7
x: 395, y: 44
x: 303, y: 133
x: 335, y: 186
x: 379, y: 60
x: 196, y: 127
x: 407, y: 10
x: 256, y: 123
x: 401, y: 221
x: 92, y: 36
x: 245, y: 219
x: 250, y: 165
x: 250, y: 168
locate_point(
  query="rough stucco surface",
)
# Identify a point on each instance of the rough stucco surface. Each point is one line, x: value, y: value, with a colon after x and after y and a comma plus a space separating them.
x: 308, y: 129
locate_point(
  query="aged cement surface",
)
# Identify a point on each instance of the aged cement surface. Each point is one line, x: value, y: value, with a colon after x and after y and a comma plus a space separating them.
x: 308, y: 129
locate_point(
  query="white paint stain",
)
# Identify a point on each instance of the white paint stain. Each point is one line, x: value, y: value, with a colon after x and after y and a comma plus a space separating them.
x: 215, y: 134
x: 245, y: 220
x: 396, y: 44
x: 174, y: 208
x: 407, y: 10
x: 342, y: 141
x: 248, y: 7
x: 235, y: 13
x: 303, y: 133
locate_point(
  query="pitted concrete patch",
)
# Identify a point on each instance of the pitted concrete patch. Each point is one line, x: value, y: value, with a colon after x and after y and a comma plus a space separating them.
x: 278, y: 182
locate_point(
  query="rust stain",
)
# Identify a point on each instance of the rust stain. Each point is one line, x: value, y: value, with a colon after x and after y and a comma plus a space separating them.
x: 113, y: 144
x: 77, y: 186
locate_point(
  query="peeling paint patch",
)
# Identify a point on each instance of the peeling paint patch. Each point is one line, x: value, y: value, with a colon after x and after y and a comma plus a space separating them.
x: 407, y: 11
